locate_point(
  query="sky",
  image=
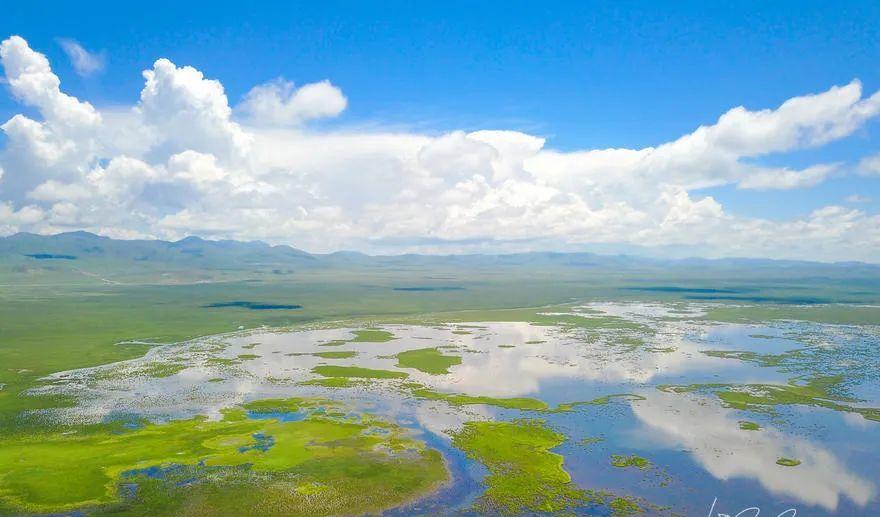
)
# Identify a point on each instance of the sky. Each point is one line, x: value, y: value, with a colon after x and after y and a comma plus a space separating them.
x: 748, y: 129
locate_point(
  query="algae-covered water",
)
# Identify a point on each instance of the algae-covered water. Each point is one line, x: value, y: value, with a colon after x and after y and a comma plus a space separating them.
x: 604, y: 408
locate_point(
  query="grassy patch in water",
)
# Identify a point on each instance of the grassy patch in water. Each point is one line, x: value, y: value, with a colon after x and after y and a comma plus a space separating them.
x: 427, y: 360
x: 247, y: 357
x: 524, y: 475
x: 161, y: 370
x: 621, y: 461
x: 372, y: 336
x: 156, y: 370
x: 458, y: 399
x: 357, y: 372
x: 590, y: 440
x: 521, y: 403
x: 599, y: 401
x: 291, y: 405
x: 335, y: 342
x: 341, y: 354
x: 788, y: 462
x: 623, y: 507
x: 816, y: 392
x: 221, y: 361
x: 362, y: 470
x: 745, y: 425
x: 332, y: 382
x: 770, y: 360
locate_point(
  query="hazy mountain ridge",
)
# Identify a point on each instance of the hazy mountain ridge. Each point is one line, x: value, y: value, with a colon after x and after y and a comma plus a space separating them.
x: 196, y: 251
x: 84, y: 245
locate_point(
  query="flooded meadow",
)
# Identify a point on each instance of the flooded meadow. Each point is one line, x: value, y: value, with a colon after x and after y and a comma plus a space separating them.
x: 599, y: 409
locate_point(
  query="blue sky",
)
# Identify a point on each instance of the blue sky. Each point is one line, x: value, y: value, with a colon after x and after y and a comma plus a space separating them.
x: 582, y: 75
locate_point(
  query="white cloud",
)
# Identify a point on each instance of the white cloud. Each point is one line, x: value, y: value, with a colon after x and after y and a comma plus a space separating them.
x: 178, y: 162
x: 85, y: 63
x: 278, y: 103
x: 31, y: 81
x: 769, y: 179
x: 870, y: 165
x: 856, y: 198
x: 190, y: 112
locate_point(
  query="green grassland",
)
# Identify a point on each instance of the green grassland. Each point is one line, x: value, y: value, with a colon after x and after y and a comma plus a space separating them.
x: 54, y: 472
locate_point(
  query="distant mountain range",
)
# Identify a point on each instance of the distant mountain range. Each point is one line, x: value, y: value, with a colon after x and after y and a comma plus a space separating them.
x: 198, y: 252
x: 88, y: 246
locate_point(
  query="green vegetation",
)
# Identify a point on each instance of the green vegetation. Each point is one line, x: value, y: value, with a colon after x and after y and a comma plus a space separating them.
x: 428, y: 360
x: 599, y: 401
x: 344, y: 354
x: 559, y: 315
x: 624, y: 506
x: 61, y: 315
x: 53, y: 472
x: 632, y: 460
x: 335, y: 342
x: 357, y: 372
x: 816, y: 392
x: 372, y: 336
x: 831, y: 313
x: 521, y: 403
x: 333, y: 382
x: 771, y: 360
x: 745, y: 425
x: 788, y: 462
x: 524, y: 476
x: 458, y: 399
x: 341, y: 354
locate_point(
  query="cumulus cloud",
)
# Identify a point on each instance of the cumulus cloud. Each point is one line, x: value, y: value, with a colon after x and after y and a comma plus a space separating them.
x: 182, y: 161
x: 189, y: 112
x: 278, y: 103
x: 85, y: 63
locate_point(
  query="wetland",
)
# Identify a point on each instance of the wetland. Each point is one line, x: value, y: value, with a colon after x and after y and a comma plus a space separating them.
x: 597, y: 408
